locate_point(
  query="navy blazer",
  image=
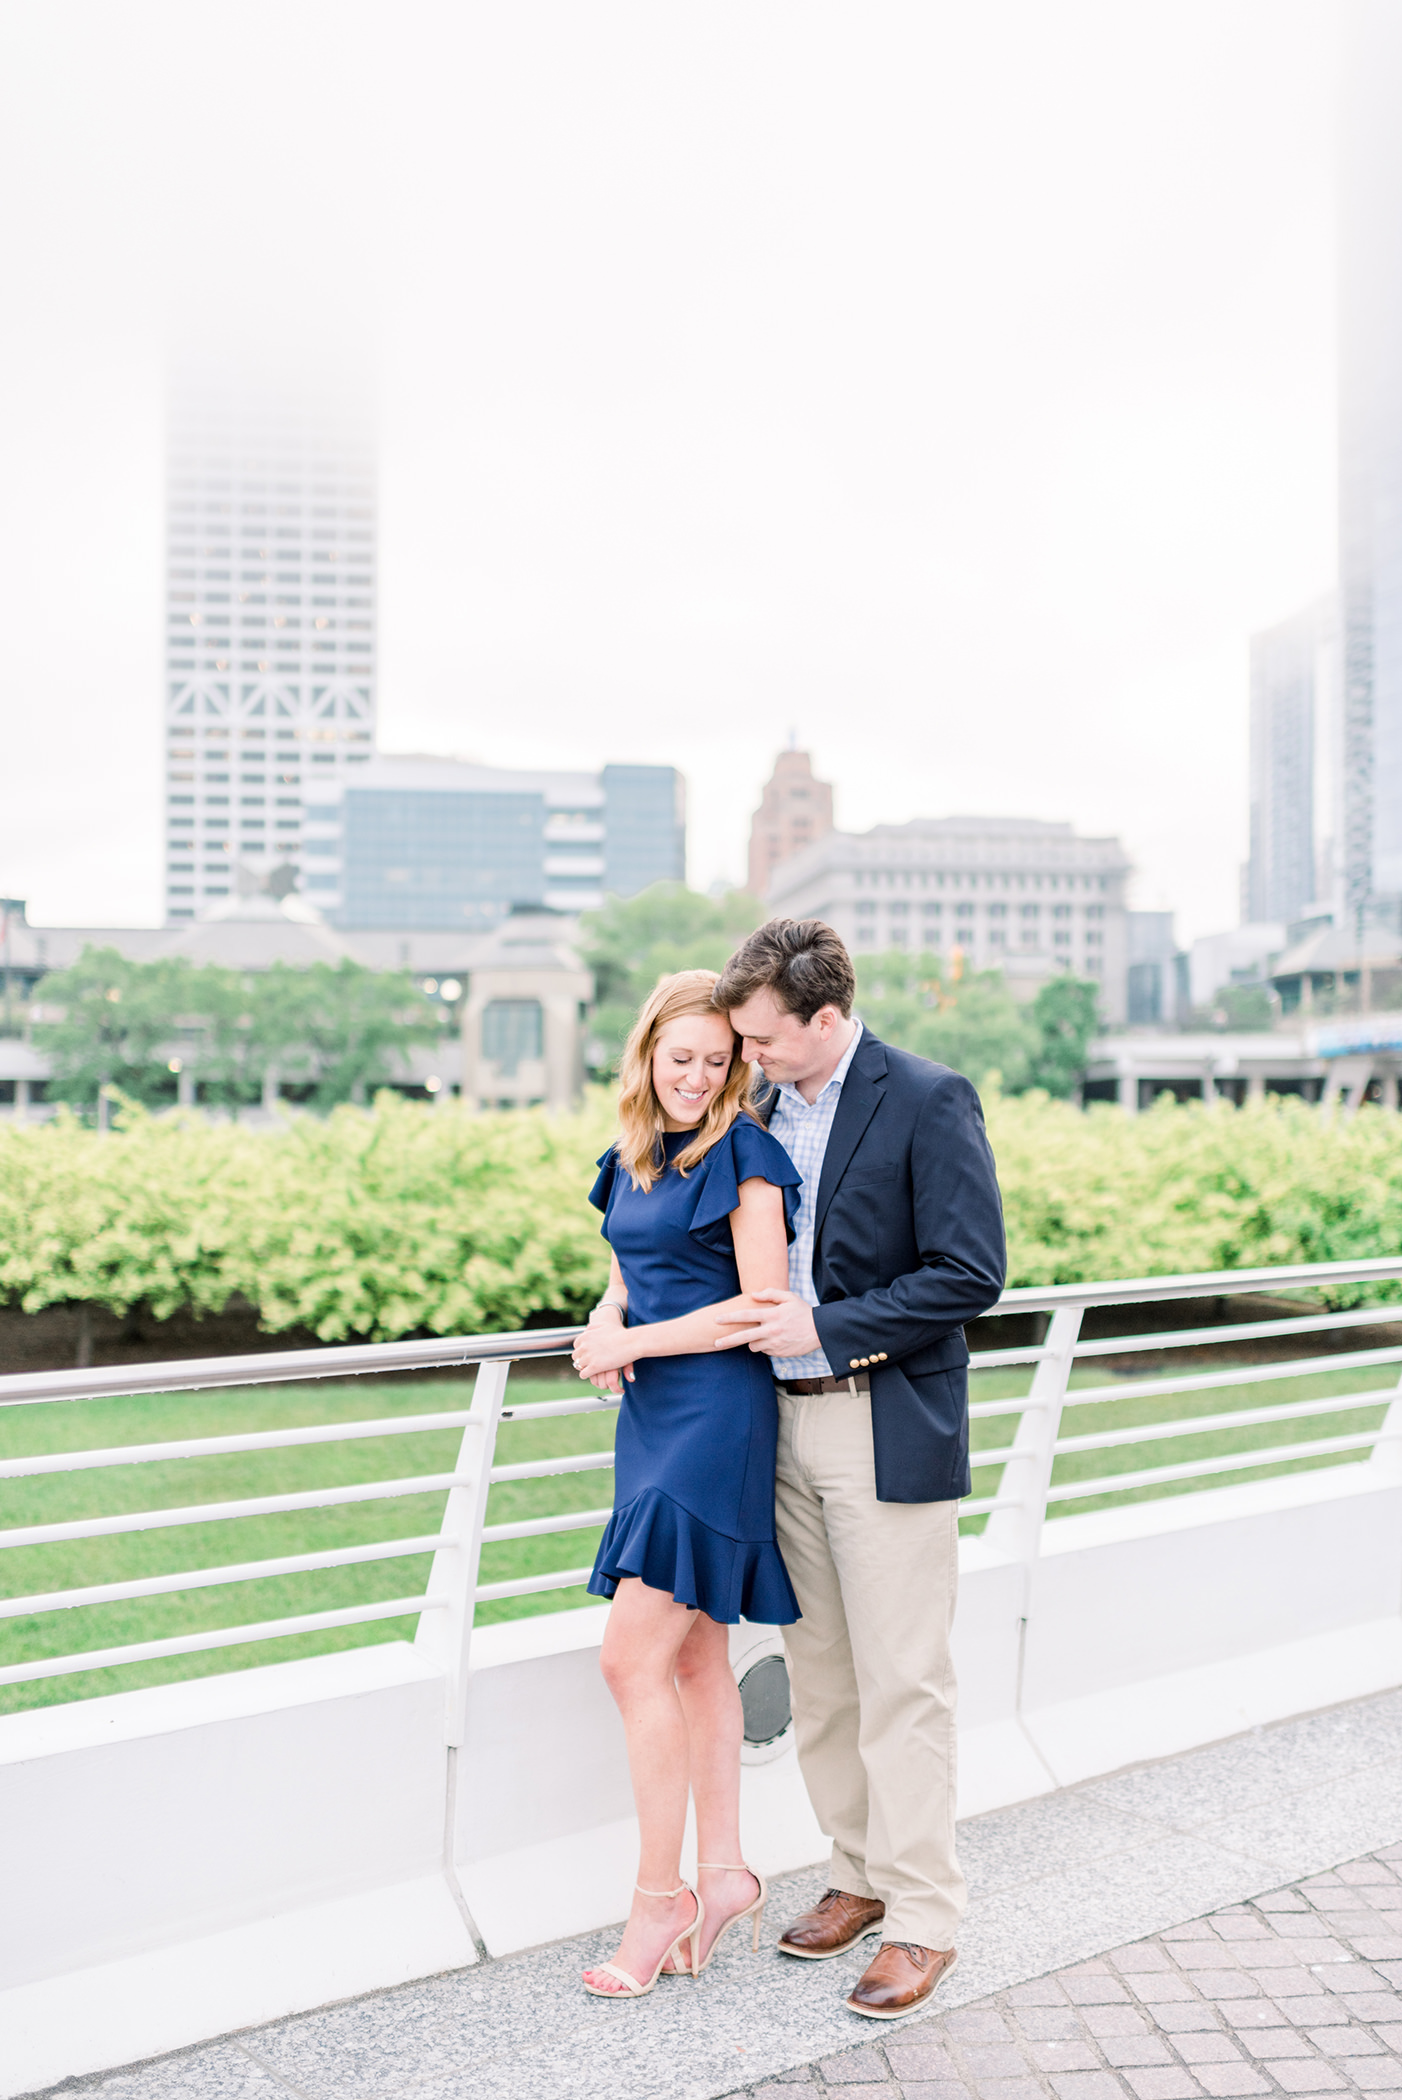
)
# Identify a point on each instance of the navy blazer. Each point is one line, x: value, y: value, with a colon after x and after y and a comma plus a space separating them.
x: 909, y: 1245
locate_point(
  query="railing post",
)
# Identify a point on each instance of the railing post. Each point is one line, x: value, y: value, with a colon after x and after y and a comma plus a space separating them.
x: 1027, y: 1475
x: 1386, y: 1457
x: 446, y: 1634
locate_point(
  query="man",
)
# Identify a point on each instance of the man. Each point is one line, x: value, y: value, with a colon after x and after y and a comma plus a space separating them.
x: 899, y: 1242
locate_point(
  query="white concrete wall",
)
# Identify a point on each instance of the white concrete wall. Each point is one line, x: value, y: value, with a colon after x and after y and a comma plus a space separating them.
x: 199, y: 1857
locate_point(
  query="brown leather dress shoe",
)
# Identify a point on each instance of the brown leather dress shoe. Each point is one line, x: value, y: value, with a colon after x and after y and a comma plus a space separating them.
x: 832, y: 1926
x: 901, y: 1979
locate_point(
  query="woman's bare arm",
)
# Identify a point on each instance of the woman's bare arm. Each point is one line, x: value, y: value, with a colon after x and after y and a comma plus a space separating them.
x: 612, y: 1310
x: 762, y: 1259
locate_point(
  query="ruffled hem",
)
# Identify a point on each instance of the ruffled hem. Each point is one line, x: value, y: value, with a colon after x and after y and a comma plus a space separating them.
x: 666, y: 1547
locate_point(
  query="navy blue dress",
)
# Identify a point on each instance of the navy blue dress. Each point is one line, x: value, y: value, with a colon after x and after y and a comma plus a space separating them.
x: 694, y: 1496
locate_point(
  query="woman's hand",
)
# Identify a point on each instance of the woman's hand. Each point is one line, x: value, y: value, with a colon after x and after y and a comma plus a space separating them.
x: 602, y: 1352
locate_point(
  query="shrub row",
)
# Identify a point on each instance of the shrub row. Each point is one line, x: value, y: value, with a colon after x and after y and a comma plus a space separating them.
x: 402, y: 1220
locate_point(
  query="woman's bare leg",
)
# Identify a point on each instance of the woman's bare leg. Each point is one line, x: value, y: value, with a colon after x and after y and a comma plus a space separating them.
x: 646, y: 1631
x: 710, y: 1701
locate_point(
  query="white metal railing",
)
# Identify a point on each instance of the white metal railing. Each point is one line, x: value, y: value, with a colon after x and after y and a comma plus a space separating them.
x: 1017, y: 1509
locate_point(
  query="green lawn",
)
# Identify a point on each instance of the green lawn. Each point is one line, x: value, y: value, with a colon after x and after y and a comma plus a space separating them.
x: 29, y: 1571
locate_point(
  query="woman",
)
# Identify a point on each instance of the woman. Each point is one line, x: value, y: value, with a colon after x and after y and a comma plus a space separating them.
x: 698, y: 1201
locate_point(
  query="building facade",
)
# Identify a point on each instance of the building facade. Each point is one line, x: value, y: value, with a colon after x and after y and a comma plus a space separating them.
x: 795, y: 811
x: 1370, y: 463
x: 1007, y: 893
x: 435, y: 842
x: 1156, y: 975
x: 1291, y: 696
x: 270, y: 624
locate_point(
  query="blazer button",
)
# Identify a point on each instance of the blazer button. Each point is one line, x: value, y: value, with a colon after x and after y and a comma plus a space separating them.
x: 882, y: 1357
x: 854, y: 1363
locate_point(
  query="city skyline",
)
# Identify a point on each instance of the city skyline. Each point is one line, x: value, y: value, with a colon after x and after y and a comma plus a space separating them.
x: 898, y: 422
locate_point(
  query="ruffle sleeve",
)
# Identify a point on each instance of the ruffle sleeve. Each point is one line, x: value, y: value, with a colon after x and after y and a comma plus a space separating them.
x: 745, y: 1153
x: 602, y: 1190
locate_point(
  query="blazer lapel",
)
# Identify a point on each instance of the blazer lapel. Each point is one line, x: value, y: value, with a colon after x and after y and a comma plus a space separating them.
x: 861, y: 1096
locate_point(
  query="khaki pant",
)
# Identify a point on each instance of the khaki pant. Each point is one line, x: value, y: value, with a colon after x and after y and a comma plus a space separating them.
x: 873, y: 1683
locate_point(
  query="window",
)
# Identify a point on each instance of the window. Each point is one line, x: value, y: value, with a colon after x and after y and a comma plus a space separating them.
x: 963, y: 911
x: 865, y: 906
x: 997, y: 911
x: 899, y: 910
x: 1093, y: 939
x: 512, y: 1032
x: 1031, y: 911
x: 998, y: 937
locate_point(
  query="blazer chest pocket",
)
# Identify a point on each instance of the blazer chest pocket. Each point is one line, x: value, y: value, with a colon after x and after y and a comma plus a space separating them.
x: 870, y: 1177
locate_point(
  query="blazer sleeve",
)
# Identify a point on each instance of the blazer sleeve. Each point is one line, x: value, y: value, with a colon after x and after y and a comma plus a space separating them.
x: 959, y: 1233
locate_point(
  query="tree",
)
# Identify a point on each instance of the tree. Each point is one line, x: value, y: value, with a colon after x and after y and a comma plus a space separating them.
x: 1066, y: 1013
x: 120, y: 1023
x: 355, y: 1025
x: 340, y: 1030
x: 633, y: 941
x: 1244, y: 1006
x: 972, y: 1024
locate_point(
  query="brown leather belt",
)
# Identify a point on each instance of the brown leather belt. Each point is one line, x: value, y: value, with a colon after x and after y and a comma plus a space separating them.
x: 859, y: 1383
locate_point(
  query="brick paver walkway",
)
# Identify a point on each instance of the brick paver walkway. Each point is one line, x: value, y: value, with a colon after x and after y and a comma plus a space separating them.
x: 1298, y: 1993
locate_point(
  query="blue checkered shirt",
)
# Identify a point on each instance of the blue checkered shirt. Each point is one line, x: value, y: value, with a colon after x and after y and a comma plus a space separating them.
x: 803, y: 1131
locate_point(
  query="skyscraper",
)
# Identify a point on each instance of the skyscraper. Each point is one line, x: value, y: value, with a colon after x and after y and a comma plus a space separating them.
x: 1290, y: 714
x: 1370, y: 462
x: 270, y: 643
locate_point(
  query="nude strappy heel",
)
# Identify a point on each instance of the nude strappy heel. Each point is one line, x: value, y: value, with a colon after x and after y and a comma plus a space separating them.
x: 693, y: 1933
x: 753, y: 1910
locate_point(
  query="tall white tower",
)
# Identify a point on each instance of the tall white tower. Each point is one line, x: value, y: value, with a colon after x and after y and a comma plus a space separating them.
x: 270, y: 617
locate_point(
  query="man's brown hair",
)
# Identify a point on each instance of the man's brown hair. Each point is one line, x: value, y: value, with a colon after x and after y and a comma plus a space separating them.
x: 801, y: 961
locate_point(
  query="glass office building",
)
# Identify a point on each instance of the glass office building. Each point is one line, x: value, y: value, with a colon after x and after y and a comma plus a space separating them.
x: 437, y: 843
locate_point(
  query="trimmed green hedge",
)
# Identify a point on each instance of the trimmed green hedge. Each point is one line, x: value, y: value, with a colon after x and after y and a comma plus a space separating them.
x: 405, y: 1219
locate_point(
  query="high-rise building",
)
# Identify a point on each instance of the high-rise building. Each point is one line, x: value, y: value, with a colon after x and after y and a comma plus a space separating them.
x: 1370, y: 462
x: 436, y: 843
x: 270, y: 643
x: 795, y: 811
x: 1291, y: 713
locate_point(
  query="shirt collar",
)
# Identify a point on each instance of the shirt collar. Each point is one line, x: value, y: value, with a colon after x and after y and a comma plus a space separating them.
x: 790, y: 1092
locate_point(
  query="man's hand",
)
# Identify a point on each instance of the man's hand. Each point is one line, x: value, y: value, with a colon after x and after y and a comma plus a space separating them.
x: 782, y: 1327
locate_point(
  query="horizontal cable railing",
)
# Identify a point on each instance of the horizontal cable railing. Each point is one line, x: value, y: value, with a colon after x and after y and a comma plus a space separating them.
x: 1032, y: 1468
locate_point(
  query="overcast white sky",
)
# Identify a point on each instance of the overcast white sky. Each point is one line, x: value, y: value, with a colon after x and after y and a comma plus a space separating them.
x: 949, y: 383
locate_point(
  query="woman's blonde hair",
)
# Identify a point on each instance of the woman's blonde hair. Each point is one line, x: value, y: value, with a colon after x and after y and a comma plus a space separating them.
x: 640, y: 1122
